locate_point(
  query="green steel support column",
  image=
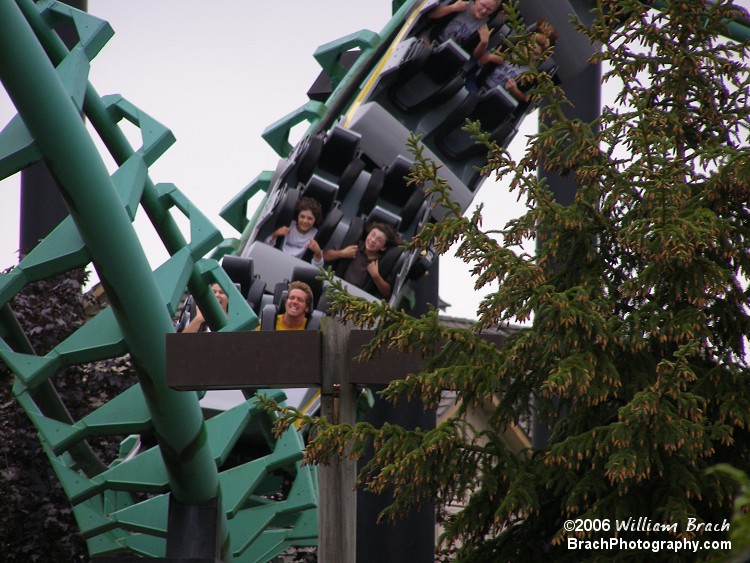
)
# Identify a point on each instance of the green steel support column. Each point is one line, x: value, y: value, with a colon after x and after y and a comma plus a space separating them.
x: 49, y: 114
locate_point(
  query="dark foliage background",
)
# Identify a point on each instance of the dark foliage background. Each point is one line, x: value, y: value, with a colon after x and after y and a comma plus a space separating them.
x: 37, y: 519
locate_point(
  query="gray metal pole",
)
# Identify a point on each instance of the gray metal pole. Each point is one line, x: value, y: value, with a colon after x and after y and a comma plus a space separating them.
x: 581, y: 81
x: 337, y: 512
x: 42, y: 207
x: 412, y: 538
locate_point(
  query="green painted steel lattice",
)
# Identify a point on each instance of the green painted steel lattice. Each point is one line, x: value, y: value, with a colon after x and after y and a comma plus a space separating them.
x: 268, y: 500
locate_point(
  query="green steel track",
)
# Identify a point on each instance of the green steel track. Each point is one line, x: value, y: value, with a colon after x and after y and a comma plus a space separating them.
x: 121, y: 505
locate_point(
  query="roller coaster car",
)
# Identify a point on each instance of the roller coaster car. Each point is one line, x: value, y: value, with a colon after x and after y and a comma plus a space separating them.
x: 358, y: 168
x: 352, y: 190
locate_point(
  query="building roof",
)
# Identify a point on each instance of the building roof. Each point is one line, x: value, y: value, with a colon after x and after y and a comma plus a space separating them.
x: 458, y: 322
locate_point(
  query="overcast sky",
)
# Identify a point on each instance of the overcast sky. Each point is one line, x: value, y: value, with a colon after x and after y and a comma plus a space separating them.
x: 217, y: 74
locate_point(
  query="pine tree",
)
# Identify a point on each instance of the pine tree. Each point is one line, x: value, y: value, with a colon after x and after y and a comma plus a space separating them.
x: 636, y: 302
